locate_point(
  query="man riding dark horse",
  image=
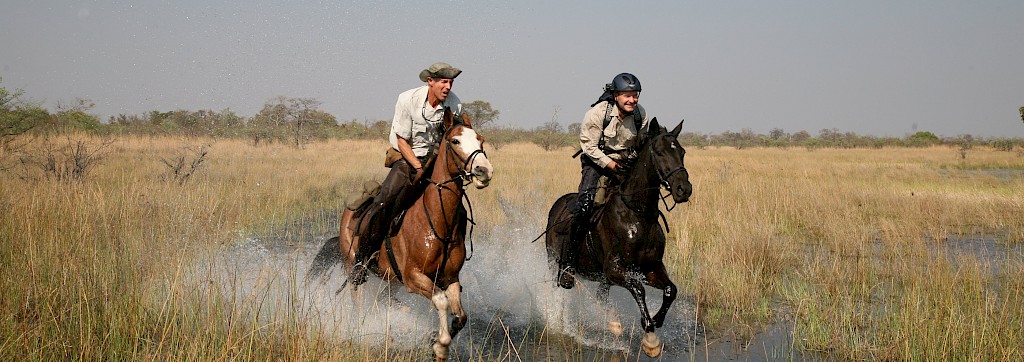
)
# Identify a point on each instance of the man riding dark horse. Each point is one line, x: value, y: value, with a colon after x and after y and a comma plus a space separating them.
x: 607, y: 141
x: 415, y: 136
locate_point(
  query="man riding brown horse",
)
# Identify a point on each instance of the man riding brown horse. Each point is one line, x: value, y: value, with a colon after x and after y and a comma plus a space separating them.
x: 414, y: 137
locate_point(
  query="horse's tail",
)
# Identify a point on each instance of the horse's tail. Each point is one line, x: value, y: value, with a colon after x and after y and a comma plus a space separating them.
x: 329, y: 254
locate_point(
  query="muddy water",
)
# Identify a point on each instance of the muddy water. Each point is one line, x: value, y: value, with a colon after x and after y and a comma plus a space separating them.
x: 516, y: 312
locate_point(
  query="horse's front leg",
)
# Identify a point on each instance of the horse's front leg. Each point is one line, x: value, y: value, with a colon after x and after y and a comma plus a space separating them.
x: 454, y: 293
x: 652, y: 345
x: 419, y: 283
x: 633, y: 281
x: 658, y: 278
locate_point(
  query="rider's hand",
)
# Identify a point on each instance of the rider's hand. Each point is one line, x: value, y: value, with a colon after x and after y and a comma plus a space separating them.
x: 619, y: 168
x: 418, y: 175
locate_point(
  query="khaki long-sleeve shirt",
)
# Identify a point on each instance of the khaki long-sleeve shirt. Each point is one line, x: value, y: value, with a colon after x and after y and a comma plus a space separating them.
x: 416, y: 121
x: 619, y: 135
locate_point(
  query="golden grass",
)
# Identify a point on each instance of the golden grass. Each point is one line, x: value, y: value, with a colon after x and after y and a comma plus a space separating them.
x: 860, y: 248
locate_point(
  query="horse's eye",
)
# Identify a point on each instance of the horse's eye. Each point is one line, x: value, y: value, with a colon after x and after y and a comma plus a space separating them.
x: 455, y: 141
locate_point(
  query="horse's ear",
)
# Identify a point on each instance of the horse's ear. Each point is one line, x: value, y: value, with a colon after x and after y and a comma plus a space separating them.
x: 449, y: 118
x: 678, y: 128
x: 466, y: 120
x: 654, y: 129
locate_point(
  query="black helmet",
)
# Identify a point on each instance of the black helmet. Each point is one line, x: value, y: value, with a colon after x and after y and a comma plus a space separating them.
x: 624, y: 82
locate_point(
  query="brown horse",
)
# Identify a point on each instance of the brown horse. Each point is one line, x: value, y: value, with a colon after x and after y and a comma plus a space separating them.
x: 428, y: 250
x: 626, y: 244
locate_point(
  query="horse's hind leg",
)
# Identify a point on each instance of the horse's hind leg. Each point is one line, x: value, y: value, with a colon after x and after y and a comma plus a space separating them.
x: 454, y: 293
x: 614, y: 325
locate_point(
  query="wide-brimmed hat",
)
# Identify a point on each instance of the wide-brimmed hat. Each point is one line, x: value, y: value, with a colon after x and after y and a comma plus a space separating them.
x: 440, y: 70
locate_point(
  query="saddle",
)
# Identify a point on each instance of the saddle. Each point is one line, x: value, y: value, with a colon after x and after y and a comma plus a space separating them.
x: 360, y: 204
x: 361, y: 201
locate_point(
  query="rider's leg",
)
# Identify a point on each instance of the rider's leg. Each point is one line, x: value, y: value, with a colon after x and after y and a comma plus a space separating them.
x: 377, y: 220
x: 579, y: 225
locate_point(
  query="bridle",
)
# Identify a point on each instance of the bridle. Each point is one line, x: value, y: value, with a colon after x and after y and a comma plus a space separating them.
x: 465, y: 174
x: 663, y: 177
x: 461, y: 180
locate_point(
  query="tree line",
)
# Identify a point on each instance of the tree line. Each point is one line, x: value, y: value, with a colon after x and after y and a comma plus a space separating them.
x: 299, y: 121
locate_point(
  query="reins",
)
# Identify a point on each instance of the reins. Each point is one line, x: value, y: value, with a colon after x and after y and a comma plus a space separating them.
x: 624, y: 197
x: 461, y: 180
x: 662, y: 183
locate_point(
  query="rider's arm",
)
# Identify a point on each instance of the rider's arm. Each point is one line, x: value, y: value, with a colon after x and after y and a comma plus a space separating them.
x: 590, y: 135
x: 406, y: 149
x: 401, y: 124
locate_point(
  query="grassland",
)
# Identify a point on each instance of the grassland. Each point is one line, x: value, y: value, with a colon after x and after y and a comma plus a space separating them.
x: 892, y: 254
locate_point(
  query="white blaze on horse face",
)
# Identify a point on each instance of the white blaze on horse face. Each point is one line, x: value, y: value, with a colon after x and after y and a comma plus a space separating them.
x: 481, y: 168
x: 631, y: 230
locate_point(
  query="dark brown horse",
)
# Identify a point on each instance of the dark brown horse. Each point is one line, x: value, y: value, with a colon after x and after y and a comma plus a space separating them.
x: 428, y: 250
x: 626, y: 244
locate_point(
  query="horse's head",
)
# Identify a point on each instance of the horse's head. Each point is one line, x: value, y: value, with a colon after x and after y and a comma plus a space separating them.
x: 667, y: 155
x: 466, y: 157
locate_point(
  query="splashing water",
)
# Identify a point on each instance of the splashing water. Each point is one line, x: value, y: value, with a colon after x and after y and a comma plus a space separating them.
x: 509, y: 292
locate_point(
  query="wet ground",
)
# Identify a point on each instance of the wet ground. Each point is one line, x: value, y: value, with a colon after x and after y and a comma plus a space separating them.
x: 516, y: 312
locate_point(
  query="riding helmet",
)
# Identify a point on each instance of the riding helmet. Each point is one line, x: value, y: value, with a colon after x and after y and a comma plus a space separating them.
x: 625, y: 82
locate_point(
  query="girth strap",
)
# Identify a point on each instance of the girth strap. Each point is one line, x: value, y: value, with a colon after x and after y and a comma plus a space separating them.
x: 392, y: 259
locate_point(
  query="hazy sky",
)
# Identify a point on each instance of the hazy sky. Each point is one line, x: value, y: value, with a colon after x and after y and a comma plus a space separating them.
x: 884, y: 68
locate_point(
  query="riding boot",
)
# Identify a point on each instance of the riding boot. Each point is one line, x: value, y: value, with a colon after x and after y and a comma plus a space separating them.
x: 577, y: 236
x: 373, y: 232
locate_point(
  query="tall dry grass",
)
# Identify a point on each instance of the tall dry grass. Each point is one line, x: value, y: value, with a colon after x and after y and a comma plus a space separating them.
x: 95, y: 269
x: 868, y: 252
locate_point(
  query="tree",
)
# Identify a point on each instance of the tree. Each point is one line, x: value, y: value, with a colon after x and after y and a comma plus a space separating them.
x: 1021, y: 114
x: 574, y: 128
x: 922, y: 138
x: 801, y: 136
x: 299, y: 116
x: 480, y: 113
x: 966, y: 142
x: 549, y: 136
x: 16, y: 118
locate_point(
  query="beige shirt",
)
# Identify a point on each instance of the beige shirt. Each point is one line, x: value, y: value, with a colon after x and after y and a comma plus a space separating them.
x: 417, y: 122
x: 619, y: 135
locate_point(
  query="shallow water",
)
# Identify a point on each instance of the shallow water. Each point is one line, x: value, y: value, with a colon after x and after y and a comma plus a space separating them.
x: 988, y: 249
x: 516, y: 312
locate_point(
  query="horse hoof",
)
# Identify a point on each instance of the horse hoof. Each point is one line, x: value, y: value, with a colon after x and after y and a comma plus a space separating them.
x: 652, y: 346
x: 615, y: 328
x: 358, y: 275
x: 440, y: 352
x: 566, y: 279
